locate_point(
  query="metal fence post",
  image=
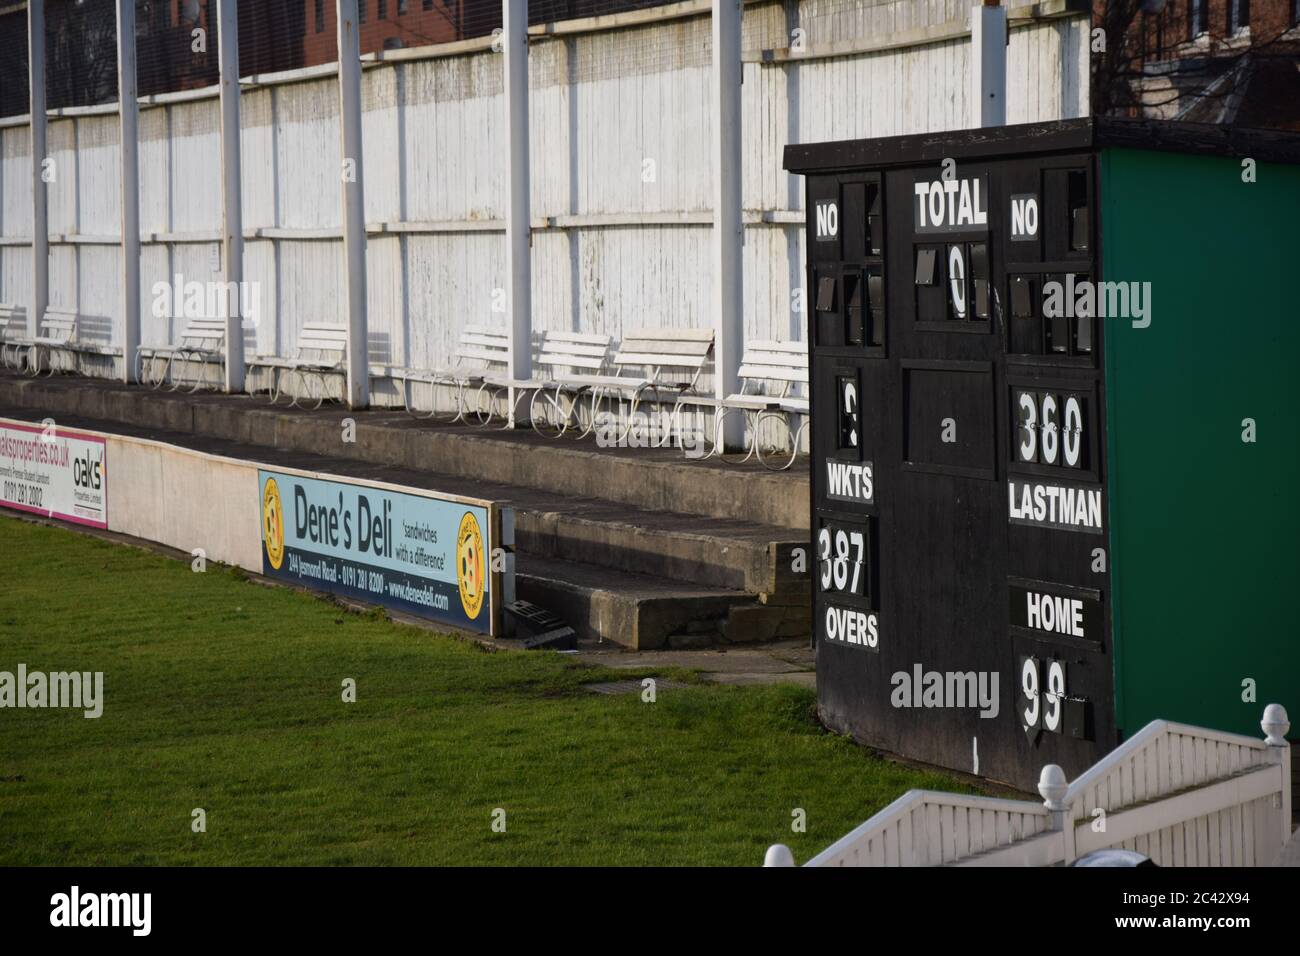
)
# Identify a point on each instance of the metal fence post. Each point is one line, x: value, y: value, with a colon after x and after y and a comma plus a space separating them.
x: 519, y: 270
x: 232, y: 214
x: 128, y: 104
x: 988, y: 63
x: 728, y: 229
x: 40, y: 297
x: 354, y: 205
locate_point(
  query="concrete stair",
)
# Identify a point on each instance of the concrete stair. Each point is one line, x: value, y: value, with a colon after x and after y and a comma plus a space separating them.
x: 611, y: 566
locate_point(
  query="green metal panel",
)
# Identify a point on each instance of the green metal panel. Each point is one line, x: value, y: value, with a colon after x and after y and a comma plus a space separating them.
x: 1204, y: 527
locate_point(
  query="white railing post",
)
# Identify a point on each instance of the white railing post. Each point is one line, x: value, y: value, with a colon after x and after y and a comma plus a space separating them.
x: 728, y: 229
x: 778, y: 854
x: 128, y: 105
x: 1276, y: 724
x: 232, y: 214
x: 40, y: 297
x: 988, y: 64
x: 514, y: 39
x: 354, y: 205
x: 1053, y: 786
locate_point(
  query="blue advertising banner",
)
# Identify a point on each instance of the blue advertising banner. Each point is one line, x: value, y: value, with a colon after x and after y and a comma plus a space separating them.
x: 425, y: 556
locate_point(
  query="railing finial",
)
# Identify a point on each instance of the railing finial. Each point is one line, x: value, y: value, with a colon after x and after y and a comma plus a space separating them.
x: 1053, y: 786
x: 778, y: 854
x: 1275, y: 725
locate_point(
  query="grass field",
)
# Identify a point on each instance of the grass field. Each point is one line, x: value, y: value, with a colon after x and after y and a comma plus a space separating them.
x: 223, y: 694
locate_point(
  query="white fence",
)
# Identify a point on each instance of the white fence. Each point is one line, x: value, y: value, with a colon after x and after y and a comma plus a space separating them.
x: 621, y: 176
x: 1180, y: 795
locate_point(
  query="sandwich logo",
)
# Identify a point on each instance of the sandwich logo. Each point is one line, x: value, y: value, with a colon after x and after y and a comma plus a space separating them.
x: 273, y: 524
x: 471, y: 570
x: 75, y: 909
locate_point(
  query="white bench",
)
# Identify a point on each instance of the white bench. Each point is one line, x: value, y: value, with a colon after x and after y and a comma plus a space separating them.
x: 57, y: 333
x: 769, y: 372
x: 481, y: 362
x: 201, y: 342
x: 650, y: 364
x: 321, y: 350
x: 13, y: 335
x: 569, y: 359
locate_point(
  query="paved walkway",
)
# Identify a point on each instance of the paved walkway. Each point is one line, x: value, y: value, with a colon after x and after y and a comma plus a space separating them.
x: 777, y: 662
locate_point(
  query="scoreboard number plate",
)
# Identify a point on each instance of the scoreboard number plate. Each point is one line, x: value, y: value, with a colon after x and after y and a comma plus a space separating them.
x: 844, y: 581
x: 1049, y: 428
x: 1044, y: 704
x: 842, y: 558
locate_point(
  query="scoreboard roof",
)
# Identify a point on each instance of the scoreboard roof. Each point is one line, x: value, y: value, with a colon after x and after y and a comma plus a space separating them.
x: 1038, y: 138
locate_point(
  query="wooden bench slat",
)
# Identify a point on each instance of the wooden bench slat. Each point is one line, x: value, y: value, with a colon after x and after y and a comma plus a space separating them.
x: 769, y: 373
x: 591, y: 351
x: 491, y: 341
x: 665, y: 360
x: 581, y: 338
x: 763, y: 357
x: 671, y: 335
x: 660, y: 346
x: 574, y: 361
x: 484, y: 355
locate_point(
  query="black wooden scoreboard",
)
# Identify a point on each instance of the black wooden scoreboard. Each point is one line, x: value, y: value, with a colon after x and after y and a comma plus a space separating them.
x: 1036, y: 515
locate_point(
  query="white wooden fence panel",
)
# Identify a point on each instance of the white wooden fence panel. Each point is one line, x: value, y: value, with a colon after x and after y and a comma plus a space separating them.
x: 15, y: 181
x: 1181, y: 795
x: 602, y: 104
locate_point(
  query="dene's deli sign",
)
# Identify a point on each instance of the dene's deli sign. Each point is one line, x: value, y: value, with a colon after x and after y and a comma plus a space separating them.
x: 54, y: 472
x: 419, y: 553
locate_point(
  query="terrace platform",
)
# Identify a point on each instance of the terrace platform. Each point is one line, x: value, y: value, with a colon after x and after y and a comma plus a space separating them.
x: 641, y: 547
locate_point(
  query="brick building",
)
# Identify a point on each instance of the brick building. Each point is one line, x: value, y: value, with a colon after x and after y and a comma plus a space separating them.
x: 1210, y: 61
x: 385, y: 25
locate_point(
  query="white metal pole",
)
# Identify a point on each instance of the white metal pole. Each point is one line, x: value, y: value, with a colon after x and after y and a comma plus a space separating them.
x: 232, y: 213
x: 728, y: 236
x: 988, y: 34
x: 129, y: 111
x: 40, y: 297
x: 354, y: 204
x: 514, y: 36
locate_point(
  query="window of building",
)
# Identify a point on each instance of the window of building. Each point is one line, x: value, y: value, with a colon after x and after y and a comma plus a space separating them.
x: 320, y: 16
x: 401, y: 7
x: 361, y: 11
x: 428, y: 4
x: 1198, y: 18
x: 1238, y: 16
x: 383, y: 9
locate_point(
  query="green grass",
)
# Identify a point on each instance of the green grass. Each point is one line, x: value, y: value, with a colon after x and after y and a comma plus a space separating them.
x: 224, y: 694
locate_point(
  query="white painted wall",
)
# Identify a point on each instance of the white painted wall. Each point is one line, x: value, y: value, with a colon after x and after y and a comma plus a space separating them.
x: 620, y: 129
x: 216, y: 510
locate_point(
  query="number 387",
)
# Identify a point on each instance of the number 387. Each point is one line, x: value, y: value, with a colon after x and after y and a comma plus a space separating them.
x: 842, y: 556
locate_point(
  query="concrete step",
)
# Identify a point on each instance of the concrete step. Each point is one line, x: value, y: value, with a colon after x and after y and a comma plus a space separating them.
x: 644, y: 612
x: 646, y: 478
x: 713, y: 552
